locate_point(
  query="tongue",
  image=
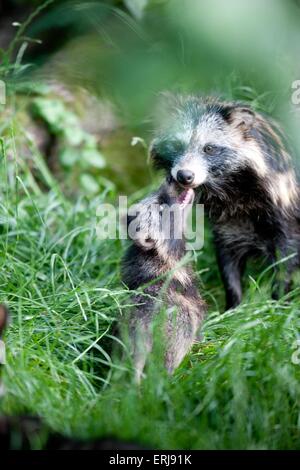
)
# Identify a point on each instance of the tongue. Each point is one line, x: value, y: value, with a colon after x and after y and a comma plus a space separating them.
x: 185, y: 197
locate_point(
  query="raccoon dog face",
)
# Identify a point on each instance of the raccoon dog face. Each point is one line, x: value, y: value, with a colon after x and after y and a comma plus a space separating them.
x: 160, y: 218
x: 204, y: 141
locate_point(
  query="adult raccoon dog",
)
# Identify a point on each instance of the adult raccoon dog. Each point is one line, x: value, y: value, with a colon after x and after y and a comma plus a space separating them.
x: 237, y: 159
x: 158, y: 246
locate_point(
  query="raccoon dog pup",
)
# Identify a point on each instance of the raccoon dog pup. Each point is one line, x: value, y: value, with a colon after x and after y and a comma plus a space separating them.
x: 157, y: 249
x: 237, y: 159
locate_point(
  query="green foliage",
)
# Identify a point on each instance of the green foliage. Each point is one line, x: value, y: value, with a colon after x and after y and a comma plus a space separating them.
x: 76, y: 146
x: 137, y: 7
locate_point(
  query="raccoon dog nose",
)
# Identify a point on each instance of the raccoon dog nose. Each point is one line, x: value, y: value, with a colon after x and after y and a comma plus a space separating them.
x: 185, y: 177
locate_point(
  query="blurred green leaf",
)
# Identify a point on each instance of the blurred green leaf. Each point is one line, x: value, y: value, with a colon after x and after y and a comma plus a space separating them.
x: 93, y: 158
x: 69, y: 156
x: 74, y: 135
x: 89, y: 183
x: 51, y: 111
x: 136, y: 7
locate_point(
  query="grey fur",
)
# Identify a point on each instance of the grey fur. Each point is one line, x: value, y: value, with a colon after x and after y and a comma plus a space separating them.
x: 145, y: 263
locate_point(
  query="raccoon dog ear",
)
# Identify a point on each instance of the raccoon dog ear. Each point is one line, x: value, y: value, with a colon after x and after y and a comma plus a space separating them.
x: 242, y: 118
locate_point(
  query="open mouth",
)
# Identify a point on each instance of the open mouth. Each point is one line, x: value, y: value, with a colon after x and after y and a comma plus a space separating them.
x: 186, y: 197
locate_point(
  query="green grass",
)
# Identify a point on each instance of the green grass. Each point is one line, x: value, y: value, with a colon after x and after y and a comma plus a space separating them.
x: 238, y: 389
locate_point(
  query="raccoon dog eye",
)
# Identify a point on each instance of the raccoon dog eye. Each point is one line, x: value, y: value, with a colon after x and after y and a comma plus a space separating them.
x: 209, y: 149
